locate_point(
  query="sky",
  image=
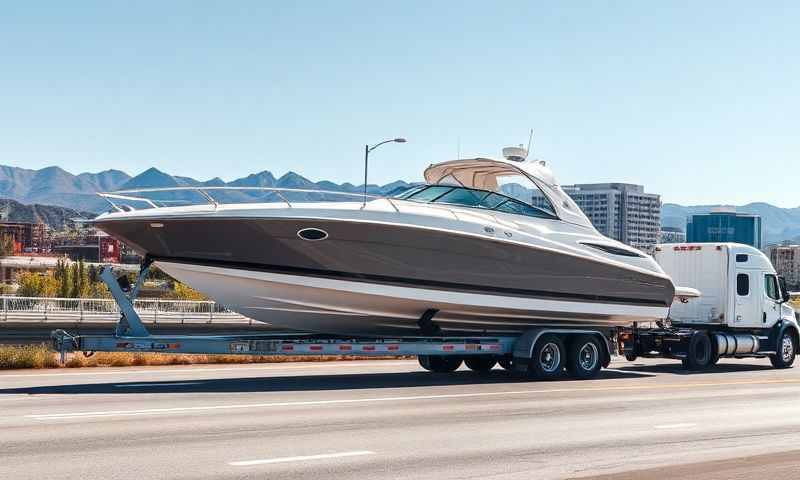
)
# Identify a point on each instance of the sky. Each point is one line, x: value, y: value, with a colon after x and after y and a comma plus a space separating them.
x: 698, y: 101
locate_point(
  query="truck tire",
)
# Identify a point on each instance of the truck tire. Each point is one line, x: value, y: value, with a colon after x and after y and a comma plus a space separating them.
x: 549, y: 358
x: 480, y: 363
x: 787, y: 350
x: 440, y: 363
x: 584, y: 359
x: 698, y: 356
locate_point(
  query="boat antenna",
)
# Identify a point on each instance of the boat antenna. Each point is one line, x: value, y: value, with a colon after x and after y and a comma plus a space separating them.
x: 530, y: 139
x: 458, y: 147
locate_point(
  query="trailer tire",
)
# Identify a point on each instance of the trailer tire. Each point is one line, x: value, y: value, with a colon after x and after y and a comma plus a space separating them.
x: 440, y: 363
x: 549, y: 358
x: 480, y: 363
x: 584, y: 357
x: 699, y: 355
x: 787, y: 350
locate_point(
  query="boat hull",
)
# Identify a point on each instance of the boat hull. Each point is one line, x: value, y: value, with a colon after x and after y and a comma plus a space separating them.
x: 371, y: 277
x: 335, y: 306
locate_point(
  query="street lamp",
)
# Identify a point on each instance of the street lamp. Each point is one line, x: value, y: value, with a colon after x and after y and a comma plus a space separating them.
x: 368, y: 149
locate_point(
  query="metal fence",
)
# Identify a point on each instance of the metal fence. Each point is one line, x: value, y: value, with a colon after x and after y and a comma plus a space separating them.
x: 155, y: 311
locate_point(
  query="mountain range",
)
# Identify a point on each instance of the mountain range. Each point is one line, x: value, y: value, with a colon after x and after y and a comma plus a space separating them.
x: 56, y: 186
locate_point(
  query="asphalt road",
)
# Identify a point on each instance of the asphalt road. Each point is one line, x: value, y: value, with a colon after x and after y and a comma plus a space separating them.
x: 389, y: 419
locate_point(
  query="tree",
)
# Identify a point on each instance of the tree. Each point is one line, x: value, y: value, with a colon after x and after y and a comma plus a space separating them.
x: 7, y: 246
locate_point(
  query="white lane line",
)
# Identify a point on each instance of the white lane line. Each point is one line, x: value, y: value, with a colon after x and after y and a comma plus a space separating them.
x: 169, y: 384
x: 206, y: 408
x: 355, y: 453
x: 672, y: 426
x: 268, y: 367
x: 628, y: 372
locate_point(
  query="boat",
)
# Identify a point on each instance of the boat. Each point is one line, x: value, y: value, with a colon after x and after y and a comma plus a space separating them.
x: 489, y: 246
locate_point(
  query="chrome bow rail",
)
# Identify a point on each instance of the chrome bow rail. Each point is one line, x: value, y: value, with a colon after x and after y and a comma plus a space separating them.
x: 116, y: 199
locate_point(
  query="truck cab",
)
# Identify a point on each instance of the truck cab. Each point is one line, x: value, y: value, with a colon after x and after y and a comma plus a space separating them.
x: 738, y: 285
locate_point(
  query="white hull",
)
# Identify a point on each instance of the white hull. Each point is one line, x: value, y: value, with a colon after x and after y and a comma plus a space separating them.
x: 361, y: 308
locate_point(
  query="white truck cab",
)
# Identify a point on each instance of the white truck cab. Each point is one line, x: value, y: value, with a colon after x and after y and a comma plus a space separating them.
x: 738, y: 285
x: 742, y: 309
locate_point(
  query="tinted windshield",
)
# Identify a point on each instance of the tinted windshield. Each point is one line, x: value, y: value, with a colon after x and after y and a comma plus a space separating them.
x: 470, y: 197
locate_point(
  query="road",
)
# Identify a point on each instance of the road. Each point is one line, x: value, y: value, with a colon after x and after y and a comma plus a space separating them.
x: 389, y: 419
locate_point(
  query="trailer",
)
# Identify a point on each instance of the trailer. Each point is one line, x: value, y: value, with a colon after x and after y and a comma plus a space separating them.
x: 546, y: 353
x: 743, y: 314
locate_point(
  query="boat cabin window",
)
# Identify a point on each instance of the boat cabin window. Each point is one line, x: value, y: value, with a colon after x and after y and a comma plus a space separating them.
x: 471, y: 197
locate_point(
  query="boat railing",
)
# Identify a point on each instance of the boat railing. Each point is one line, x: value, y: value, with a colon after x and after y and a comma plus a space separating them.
x: 121, y: 200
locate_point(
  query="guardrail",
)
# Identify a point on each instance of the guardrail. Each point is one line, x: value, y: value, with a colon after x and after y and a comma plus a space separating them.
x: 155, y: 311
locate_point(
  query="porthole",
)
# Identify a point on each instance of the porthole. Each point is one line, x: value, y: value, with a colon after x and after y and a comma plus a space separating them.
x: 312, y: 234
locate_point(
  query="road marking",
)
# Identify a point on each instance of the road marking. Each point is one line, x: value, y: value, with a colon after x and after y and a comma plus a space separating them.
x: 206, y: 408
x: 675, y: 426
x: 323, y: 456
x: 629, y: 372
x: 168, y: 384
x: 269, y: 366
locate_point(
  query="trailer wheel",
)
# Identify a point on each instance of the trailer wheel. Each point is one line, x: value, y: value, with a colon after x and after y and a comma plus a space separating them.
x: 699, y: 354
x: 480, y: 363
x: 505, y: 362
x: 440, y: 363
x: 787, y: 350
x: 584, y: 357
x: 547, y: 362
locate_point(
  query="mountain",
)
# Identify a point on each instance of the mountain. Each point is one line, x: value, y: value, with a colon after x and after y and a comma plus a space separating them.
x: 52, y: 216
x: 779, y: 224
x: 55, y: 186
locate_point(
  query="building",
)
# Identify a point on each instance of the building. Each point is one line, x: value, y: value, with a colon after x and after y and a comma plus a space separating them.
x: 725, y: 226
x: 672, y: 235
x: 89, y: 245
x: 28, y: 237
x: 621, y: 211
x: 786, y: 260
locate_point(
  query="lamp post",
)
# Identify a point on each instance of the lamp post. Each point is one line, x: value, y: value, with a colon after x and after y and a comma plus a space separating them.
x: 368, y: 149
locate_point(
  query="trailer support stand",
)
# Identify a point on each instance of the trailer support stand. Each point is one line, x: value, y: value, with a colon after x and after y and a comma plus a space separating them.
x: 129, y: 325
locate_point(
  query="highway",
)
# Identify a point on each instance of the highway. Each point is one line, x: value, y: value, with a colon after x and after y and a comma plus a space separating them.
x: 388, y: 419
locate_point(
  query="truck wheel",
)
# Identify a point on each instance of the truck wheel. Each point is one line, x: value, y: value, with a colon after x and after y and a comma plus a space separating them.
x: 786, y: 351
x: 547, y: 362
x: 440, y: 363
x: 699, y: 355
x: 584, y: 357
x: 505, y: 362
x: 480, y: 363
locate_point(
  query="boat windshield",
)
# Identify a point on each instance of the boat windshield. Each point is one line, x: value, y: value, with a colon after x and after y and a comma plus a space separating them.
x: 484, y: 199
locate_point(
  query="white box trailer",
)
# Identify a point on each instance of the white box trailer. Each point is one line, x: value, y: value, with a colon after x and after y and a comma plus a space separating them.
x: 742, y: 310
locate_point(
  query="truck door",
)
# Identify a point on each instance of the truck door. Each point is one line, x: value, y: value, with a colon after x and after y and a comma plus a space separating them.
x: 772, y: 301
x: 749, y: 299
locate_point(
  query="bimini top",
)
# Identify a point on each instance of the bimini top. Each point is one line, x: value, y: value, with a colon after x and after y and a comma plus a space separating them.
x: 493, y: 174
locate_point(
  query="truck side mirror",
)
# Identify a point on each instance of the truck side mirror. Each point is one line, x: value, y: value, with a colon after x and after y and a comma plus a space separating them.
x: 785, y: 297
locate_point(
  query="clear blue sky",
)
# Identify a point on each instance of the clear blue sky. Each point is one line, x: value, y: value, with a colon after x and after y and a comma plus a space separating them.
x: 696, y: 100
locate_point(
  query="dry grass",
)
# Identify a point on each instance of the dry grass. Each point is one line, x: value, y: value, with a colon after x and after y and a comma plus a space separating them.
x: 40, y: 356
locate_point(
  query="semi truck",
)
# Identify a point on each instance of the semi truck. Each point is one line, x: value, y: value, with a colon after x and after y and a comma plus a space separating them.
x: 741, y: 310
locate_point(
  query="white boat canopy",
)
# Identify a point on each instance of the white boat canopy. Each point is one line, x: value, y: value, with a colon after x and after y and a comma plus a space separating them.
x: 483, y: 174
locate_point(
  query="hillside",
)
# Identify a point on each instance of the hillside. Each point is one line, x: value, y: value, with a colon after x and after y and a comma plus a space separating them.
x: 52, y: 216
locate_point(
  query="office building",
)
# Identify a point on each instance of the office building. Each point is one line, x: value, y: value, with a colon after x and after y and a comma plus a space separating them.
x: 725, y: 226
x: 786, y: 260
x: 672, y: 235
x: 621, y: 211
